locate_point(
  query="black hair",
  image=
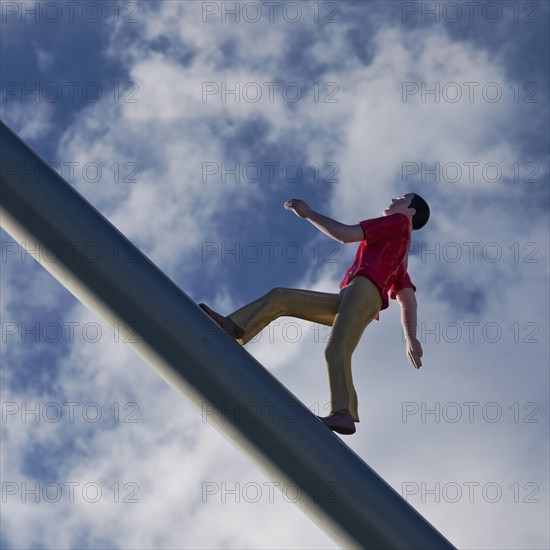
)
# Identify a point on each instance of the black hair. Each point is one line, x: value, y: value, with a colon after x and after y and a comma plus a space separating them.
x: 422, y: 214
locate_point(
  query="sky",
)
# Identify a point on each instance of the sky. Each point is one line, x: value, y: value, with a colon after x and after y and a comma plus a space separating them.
x: 188, y: 124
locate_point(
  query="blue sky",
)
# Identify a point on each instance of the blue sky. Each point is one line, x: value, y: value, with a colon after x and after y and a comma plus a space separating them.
x: 128, y: 104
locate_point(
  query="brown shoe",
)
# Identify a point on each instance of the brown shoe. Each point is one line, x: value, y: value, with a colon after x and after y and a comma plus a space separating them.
x: 341, y: 422
x: 225, y: 322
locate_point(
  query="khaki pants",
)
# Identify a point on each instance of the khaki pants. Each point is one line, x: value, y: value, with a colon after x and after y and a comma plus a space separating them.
x: 348, y: 312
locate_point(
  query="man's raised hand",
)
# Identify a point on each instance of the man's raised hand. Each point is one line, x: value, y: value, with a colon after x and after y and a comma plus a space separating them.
x: 299, y: 207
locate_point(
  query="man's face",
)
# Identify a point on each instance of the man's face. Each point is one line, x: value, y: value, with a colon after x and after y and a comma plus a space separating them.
x: 401, y: 204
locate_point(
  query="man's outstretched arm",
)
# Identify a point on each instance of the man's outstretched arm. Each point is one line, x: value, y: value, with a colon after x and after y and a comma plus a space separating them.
x: 338, y: 231
x: 407, y: 301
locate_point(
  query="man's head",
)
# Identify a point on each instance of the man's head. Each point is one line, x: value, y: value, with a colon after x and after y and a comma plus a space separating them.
x: 413, y: 206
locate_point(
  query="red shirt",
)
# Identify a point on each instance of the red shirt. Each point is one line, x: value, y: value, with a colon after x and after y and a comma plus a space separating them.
x: 382, y: 255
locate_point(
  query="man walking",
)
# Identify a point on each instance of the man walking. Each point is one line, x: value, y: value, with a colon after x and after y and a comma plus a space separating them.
x: 380, y: 267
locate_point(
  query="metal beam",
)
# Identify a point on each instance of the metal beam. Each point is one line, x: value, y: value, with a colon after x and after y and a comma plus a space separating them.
x: 237, y: 395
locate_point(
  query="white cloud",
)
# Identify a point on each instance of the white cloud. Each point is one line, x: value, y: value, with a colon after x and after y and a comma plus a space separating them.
x: 32, y: 120
x: 45, y: 59
x: 169, y: 453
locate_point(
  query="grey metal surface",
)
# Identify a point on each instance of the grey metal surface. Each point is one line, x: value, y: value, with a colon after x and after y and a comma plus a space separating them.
x: 236, y: 394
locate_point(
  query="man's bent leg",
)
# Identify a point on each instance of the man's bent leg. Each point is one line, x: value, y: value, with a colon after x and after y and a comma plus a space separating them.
x: 317, y: 307
x: 359, y: 303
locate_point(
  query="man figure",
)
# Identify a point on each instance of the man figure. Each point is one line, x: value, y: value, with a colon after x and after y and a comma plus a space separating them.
x: 380, y: 267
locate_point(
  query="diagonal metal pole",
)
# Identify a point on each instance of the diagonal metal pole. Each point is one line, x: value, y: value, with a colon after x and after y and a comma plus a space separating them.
x: 107, y: 273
